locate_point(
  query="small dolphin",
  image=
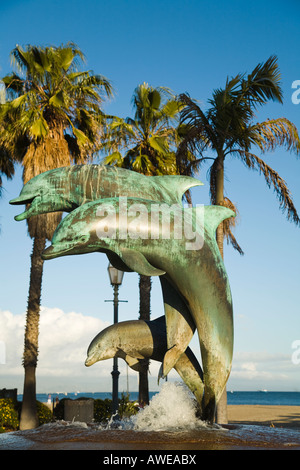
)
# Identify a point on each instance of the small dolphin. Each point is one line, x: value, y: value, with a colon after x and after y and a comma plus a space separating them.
x: 137, y: 340
x: 197, y: 275
x: 66, y: 188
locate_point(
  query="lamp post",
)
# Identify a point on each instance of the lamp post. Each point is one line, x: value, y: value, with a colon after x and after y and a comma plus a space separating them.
x: 116, y: 278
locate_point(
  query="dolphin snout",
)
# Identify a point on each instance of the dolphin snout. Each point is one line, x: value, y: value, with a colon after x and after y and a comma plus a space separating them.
x: 89, y: 361
x: 32, y: 201
x: 22, y: 200
x: 54, y: 251
x: 49, y: 253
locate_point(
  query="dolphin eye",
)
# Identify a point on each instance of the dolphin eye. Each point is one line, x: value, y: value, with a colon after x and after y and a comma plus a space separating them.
x: 83, y: 238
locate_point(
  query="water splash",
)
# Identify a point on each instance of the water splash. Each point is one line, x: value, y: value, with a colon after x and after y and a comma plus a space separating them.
x: 172, y: 409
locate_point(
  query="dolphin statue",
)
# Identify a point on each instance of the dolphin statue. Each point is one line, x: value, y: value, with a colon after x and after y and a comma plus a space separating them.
x: 136, y: 340
x: 66, y: 188
x: 198, y: 275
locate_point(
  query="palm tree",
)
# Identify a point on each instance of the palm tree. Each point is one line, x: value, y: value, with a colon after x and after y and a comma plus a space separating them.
x: 148, y: 145
x: 148, y: 138
x: 227, y: 130
x: 53, y: 116
x: 8, y: 151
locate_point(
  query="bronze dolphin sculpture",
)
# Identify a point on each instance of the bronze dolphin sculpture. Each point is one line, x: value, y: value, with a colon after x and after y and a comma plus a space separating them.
x: 66, y: 188
x: 136, y: 340
x: 198, y: 275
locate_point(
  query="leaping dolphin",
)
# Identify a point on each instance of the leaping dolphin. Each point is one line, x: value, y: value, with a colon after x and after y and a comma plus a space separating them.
x: 198, y: 275
x: 66, y: 188
x: 136, y: 340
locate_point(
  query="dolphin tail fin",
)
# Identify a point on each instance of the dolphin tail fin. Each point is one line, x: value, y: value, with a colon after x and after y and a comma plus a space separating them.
x: 214, y: 215
x: 178, y: 184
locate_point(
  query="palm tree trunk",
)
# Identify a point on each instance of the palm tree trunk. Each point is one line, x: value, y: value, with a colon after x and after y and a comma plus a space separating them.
x: 29, y: 418
x: 145, y: 289
x: 221, y: 415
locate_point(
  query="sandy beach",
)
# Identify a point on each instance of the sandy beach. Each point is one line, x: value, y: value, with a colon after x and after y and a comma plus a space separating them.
x: 265, y: 415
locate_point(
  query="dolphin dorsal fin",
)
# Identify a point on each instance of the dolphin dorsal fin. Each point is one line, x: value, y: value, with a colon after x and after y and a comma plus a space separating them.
x: 177, y: 184
x: 214, y: 215
x: 138, y: 263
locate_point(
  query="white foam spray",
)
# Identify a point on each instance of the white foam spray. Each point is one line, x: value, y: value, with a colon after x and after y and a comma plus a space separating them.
x: 172, y: 408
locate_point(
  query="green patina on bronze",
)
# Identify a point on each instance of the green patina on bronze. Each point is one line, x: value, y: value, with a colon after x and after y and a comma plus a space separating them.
x: 136, y: 340
x: 197, y: 275
x: 194, y: 282
x: 64, y: 189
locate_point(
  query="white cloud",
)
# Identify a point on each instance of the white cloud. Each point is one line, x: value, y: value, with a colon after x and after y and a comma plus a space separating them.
x: 63, y: 342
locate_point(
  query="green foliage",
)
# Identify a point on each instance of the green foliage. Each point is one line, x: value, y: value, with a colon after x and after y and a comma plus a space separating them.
x: 127, y: 408
x: 10, y: 413
x: 48, y: 97
x: 102, y: 410
x: 9, y: 420
x: 148, y: 140
x: 44, y: 413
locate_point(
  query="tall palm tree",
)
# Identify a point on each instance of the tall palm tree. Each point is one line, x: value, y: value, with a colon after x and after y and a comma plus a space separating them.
x: 145, y: 144
x: 53, y: 112
x: 226, y: 130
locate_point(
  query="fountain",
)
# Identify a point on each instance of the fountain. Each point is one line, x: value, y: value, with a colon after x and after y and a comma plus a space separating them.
x: 169, y: 424
x: 140, y: 224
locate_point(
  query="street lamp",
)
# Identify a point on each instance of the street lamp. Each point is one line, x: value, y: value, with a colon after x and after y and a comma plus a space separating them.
x: 116, y: 278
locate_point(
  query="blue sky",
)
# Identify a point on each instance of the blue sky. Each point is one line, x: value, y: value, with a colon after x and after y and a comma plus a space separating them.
x: 188, y: 46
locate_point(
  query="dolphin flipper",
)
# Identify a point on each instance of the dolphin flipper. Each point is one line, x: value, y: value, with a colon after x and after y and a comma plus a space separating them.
x: 117, y: 263
x: 134, y: 363
x: 138, y: 263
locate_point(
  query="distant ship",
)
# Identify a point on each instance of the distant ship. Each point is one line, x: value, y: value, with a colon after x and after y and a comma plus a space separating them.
x: 263, y: 390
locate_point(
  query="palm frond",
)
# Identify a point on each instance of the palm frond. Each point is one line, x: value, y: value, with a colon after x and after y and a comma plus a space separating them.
x: 273, y: 180
x: 270, y: 134
x: 262, y: 84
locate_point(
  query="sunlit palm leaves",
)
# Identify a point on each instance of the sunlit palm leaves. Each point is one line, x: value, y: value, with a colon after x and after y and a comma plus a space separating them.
x: 49, y: 95
x: 146, y: 142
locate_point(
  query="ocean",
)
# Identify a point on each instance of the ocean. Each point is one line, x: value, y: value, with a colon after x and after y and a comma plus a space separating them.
x: 233, y: 397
